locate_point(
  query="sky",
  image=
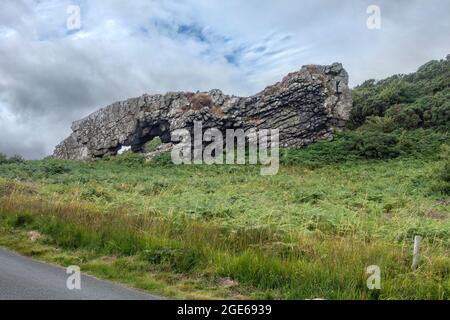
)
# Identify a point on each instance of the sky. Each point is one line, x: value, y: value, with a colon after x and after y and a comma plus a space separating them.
x: 53, y: 73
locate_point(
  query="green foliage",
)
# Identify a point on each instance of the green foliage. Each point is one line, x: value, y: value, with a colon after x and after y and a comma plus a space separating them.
x: 163, y: 160
x: 421, y: 143
x: 427, y: 112
x: 152, y: 145
x: 154, y: 188
x: 13, y: 159
x: 181, y: 260
x: 20, y: 220
x: 3, y: 158
x: 54, y: 167
x: 442, y: 172
x: 374, y: 145
x: 417, y: 100
x: 320, y: 153
x: 127, y: 159
x: 377, y: 139
x: 16, y: 159
x: 405, y: 116
x: 380, y: 124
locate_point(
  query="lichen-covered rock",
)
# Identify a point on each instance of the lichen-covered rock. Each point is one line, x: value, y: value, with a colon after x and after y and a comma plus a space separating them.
x: 306, y: 106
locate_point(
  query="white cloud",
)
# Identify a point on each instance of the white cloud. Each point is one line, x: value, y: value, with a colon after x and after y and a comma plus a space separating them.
x: 50, y: 76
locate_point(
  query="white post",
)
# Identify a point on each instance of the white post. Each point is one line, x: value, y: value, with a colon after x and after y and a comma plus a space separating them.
x: 416, y: 253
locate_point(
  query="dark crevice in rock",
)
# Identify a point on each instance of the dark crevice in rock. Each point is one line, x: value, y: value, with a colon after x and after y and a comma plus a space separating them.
x: 146, y: 132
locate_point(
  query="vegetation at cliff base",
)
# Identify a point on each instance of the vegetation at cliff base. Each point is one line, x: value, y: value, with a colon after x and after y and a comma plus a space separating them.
x: 417, y: 100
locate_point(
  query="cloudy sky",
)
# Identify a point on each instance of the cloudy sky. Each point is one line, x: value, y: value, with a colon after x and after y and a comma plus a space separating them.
x: 51, y: 75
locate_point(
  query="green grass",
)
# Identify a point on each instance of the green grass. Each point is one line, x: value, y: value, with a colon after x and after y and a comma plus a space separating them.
x: 308, y: 232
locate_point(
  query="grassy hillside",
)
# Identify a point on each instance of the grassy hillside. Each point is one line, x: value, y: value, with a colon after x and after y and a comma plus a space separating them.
x: 311, y: 231
x: 417, y: 100
x: 180, y: 231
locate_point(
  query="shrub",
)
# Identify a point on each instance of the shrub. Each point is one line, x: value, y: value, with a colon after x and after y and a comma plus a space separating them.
x: 420, y: 99
x: 374, y: 100
x: 345, y: 147
x: 95, y: 193
x: 55, y: 167
x: 421, y: 142
x: 14, y: 159
x: 404, y: 116
x: 152, y: 145
x: 21, y: 220
x: 374, y: 145
x: 162, y: 160
x: 179, y: 260
x: 438, y: 116
x: 129, y: 159
x: 320, y: 153
x: 381, y: 124
x: 3, y: 158
x: 368, y: 142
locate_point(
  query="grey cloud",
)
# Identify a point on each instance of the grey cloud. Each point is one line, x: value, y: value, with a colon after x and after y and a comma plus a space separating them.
x: 50, y: 77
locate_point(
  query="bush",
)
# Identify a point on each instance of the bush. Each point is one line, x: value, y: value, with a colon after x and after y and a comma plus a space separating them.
x: 55, y: 167
x: 427, y: 112
x: 416, y: 100
x: 374, y: 145
x: 438, y: 116
x: 420, y: 142
x: 374, y: 100
x: 3, y: 158
x: 179, y: 260
x: 21, y: 220
x: 374, y: 140
x: 14, y: 159
x: 163, y: 160
x: 128, y: 159
x: 380, y: 124
x: 152, y: 145
x: 404, y: 116
x: 360, y: 144
x: 317, y: 154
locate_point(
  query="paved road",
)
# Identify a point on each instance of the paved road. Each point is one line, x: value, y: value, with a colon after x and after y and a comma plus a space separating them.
x: 23, y: 278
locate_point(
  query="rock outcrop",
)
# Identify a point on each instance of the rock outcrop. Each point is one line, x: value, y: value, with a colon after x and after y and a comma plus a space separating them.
x: 306, y: 106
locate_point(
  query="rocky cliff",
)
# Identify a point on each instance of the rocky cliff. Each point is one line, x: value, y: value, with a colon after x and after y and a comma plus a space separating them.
x: 306, y: 106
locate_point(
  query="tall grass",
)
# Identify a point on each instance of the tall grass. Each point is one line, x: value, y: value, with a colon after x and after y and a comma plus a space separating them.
x: 309, y: 232
x: 292, y: 266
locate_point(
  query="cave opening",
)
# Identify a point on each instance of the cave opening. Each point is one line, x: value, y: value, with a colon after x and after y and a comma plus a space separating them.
x: 150, y: 136
x: 146, y: 138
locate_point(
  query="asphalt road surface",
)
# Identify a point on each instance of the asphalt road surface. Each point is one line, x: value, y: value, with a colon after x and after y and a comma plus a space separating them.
x: 23, y: 278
